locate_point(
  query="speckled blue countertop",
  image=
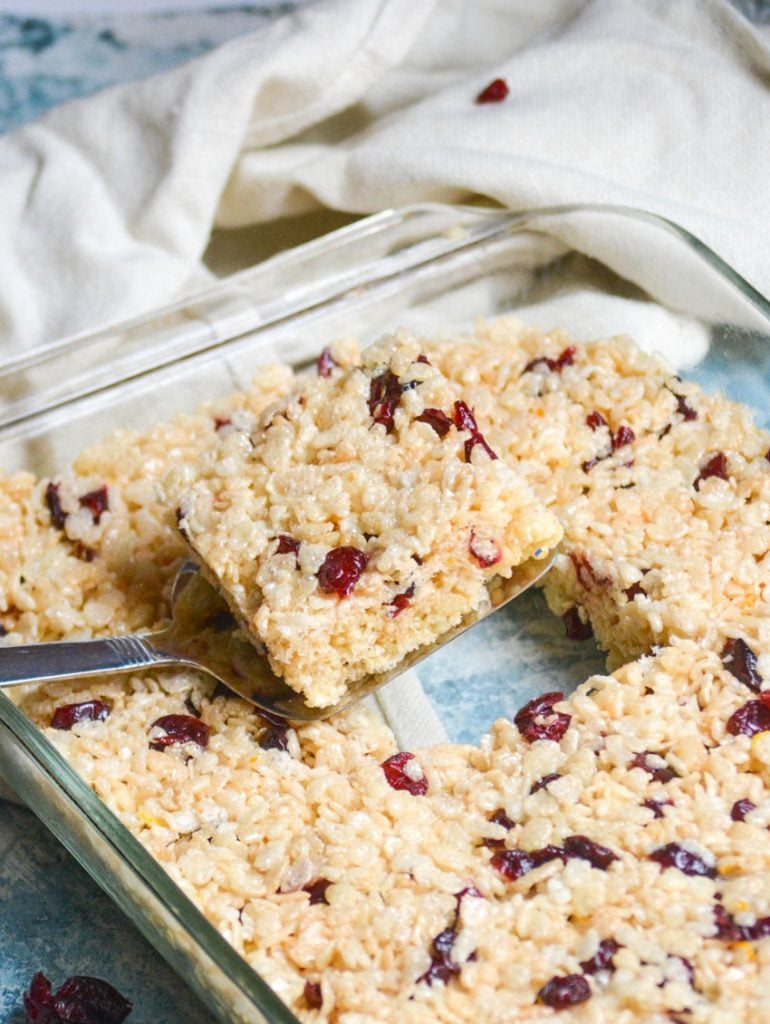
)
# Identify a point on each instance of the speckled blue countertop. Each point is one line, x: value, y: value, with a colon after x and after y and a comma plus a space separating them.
x: 52, y: 916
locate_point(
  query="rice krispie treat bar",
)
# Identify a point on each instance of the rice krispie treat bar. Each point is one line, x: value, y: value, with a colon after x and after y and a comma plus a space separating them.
x: 663, y: 491
x: 360, y: 520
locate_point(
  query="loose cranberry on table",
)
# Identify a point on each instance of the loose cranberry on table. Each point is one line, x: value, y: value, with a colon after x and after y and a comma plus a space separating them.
x: 68, y: 715
x: 537, y: 720
x: 399, y: 777
x: 341, y: 570
x: 178, y: 729
x: 80, y: 1000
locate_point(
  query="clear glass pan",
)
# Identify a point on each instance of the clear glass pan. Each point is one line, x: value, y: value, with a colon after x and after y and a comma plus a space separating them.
x: 430, y: 267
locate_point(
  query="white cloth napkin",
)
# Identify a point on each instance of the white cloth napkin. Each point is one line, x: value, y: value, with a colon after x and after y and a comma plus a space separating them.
x: 107, y: 204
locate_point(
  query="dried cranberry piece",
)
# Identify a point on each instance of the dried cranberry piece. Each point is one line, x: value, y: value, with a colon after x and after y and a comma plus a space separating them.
x: 442, y: 967
x: 602, y: 958
x: 623, y: 435
x: 97, y: 502
x: 326, y: 363
x: 495, y: 92
x: 317, y: 891
x: 80, y: 1000
x: 83, y: 551
x: 397, y: 778
x: 275, y: 737
x: 437, y: 419
x: 485, y: 552
x: 594, y: 420
x: 741, y: 808
x: 288, y: 545
x: 583, y: 848
x: 741, y: 662
x: 499, y: 817
x: 682, y: 407
x: 422, y: 358
x: 512, y: 864
x: 586, y: 574
x: 179, y: 729
x: 465, y: 420
x: 726, y: 928
x: 314, y: 999
x: 635, y: 588
x: 341, y: 570
x: 589, y: 464
x: 52, y: 500
x: 221, y: 421
x: 715, y: 466
x: 574, y: 627
x: 750, y: 719
x: 565, y: 358
x: 385, y: 393
x: 538, y: 721
x: 660, y: 773
x: 67, y: 715
x: 401, y: 602
x: 656, y: 806
x: 563, y: 991
x: 674, y: 855
x: 544, y: 782
x: 759, y: 930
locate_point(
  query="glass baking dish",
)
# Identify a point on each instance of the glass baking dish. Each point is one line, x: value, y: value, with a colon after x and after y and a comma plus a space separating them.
x: 592, y: 269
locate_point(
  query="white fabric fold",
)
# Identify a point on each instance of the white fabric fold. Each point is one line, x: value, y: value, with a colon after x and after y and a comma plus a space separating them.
x: 108, y: 203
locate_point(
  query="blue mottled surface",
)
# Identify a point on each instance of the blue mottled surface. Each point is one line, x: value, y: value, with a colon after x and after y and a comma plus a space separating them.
x: 52, y: 916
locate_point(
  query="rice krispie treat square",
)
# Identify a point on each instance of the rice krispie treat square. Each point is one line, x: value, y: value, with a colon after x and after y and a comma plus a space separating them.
x: 361, y: 520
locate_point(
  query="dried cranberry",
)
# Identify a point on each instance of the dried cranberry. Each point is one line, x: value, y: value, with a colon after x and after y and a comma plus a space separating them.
x: 465, y: 420
x: 726, y: 928
x: 635, y: 589
x: 326, y: 363
x: 67, y: 715
x: 442, y: 967
x: 398, y: 779
x: 660, y: 773
x: 221, y: 421
x: 685, y: 410
x: 583, y: 848
x: 288, y: 545
x: 341, y: 570
x: 97, y: 502
x: 741, y: 662
x: 80, y: 1000
x: 589, y: 464
x: 83, y: 551
x: 602, y: 958
x: 565, y: 358
x: 317, y: 891
x: 586, y: 574
x: 385, y: 393
x: 513, y: 864
x: 485, y: 552
x: 495, y: 92
x: 656, y: 806
x: 422, y: 358
x: 750, y: 719
x: 623, y: 435
x: 400, y: 602
x: 314, y: 999
x: 275, y: 737
x: 538, y: 721
x: 715, y: 466
x: 52, y: 500
x: 563, y: 991
x: 544, y: 782
x: 759, y: 930
x: 437, y: 419
x: 674, y: 855
x: 741, y: 808
x: 594, y: 420
x: 574, y: 627
x: 179, y: 729
x: 499, y: 817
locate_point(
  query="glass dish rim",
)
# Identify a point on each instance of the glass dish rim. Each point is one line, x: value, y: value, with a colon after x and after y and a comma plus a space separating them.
x: 126, y: 847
